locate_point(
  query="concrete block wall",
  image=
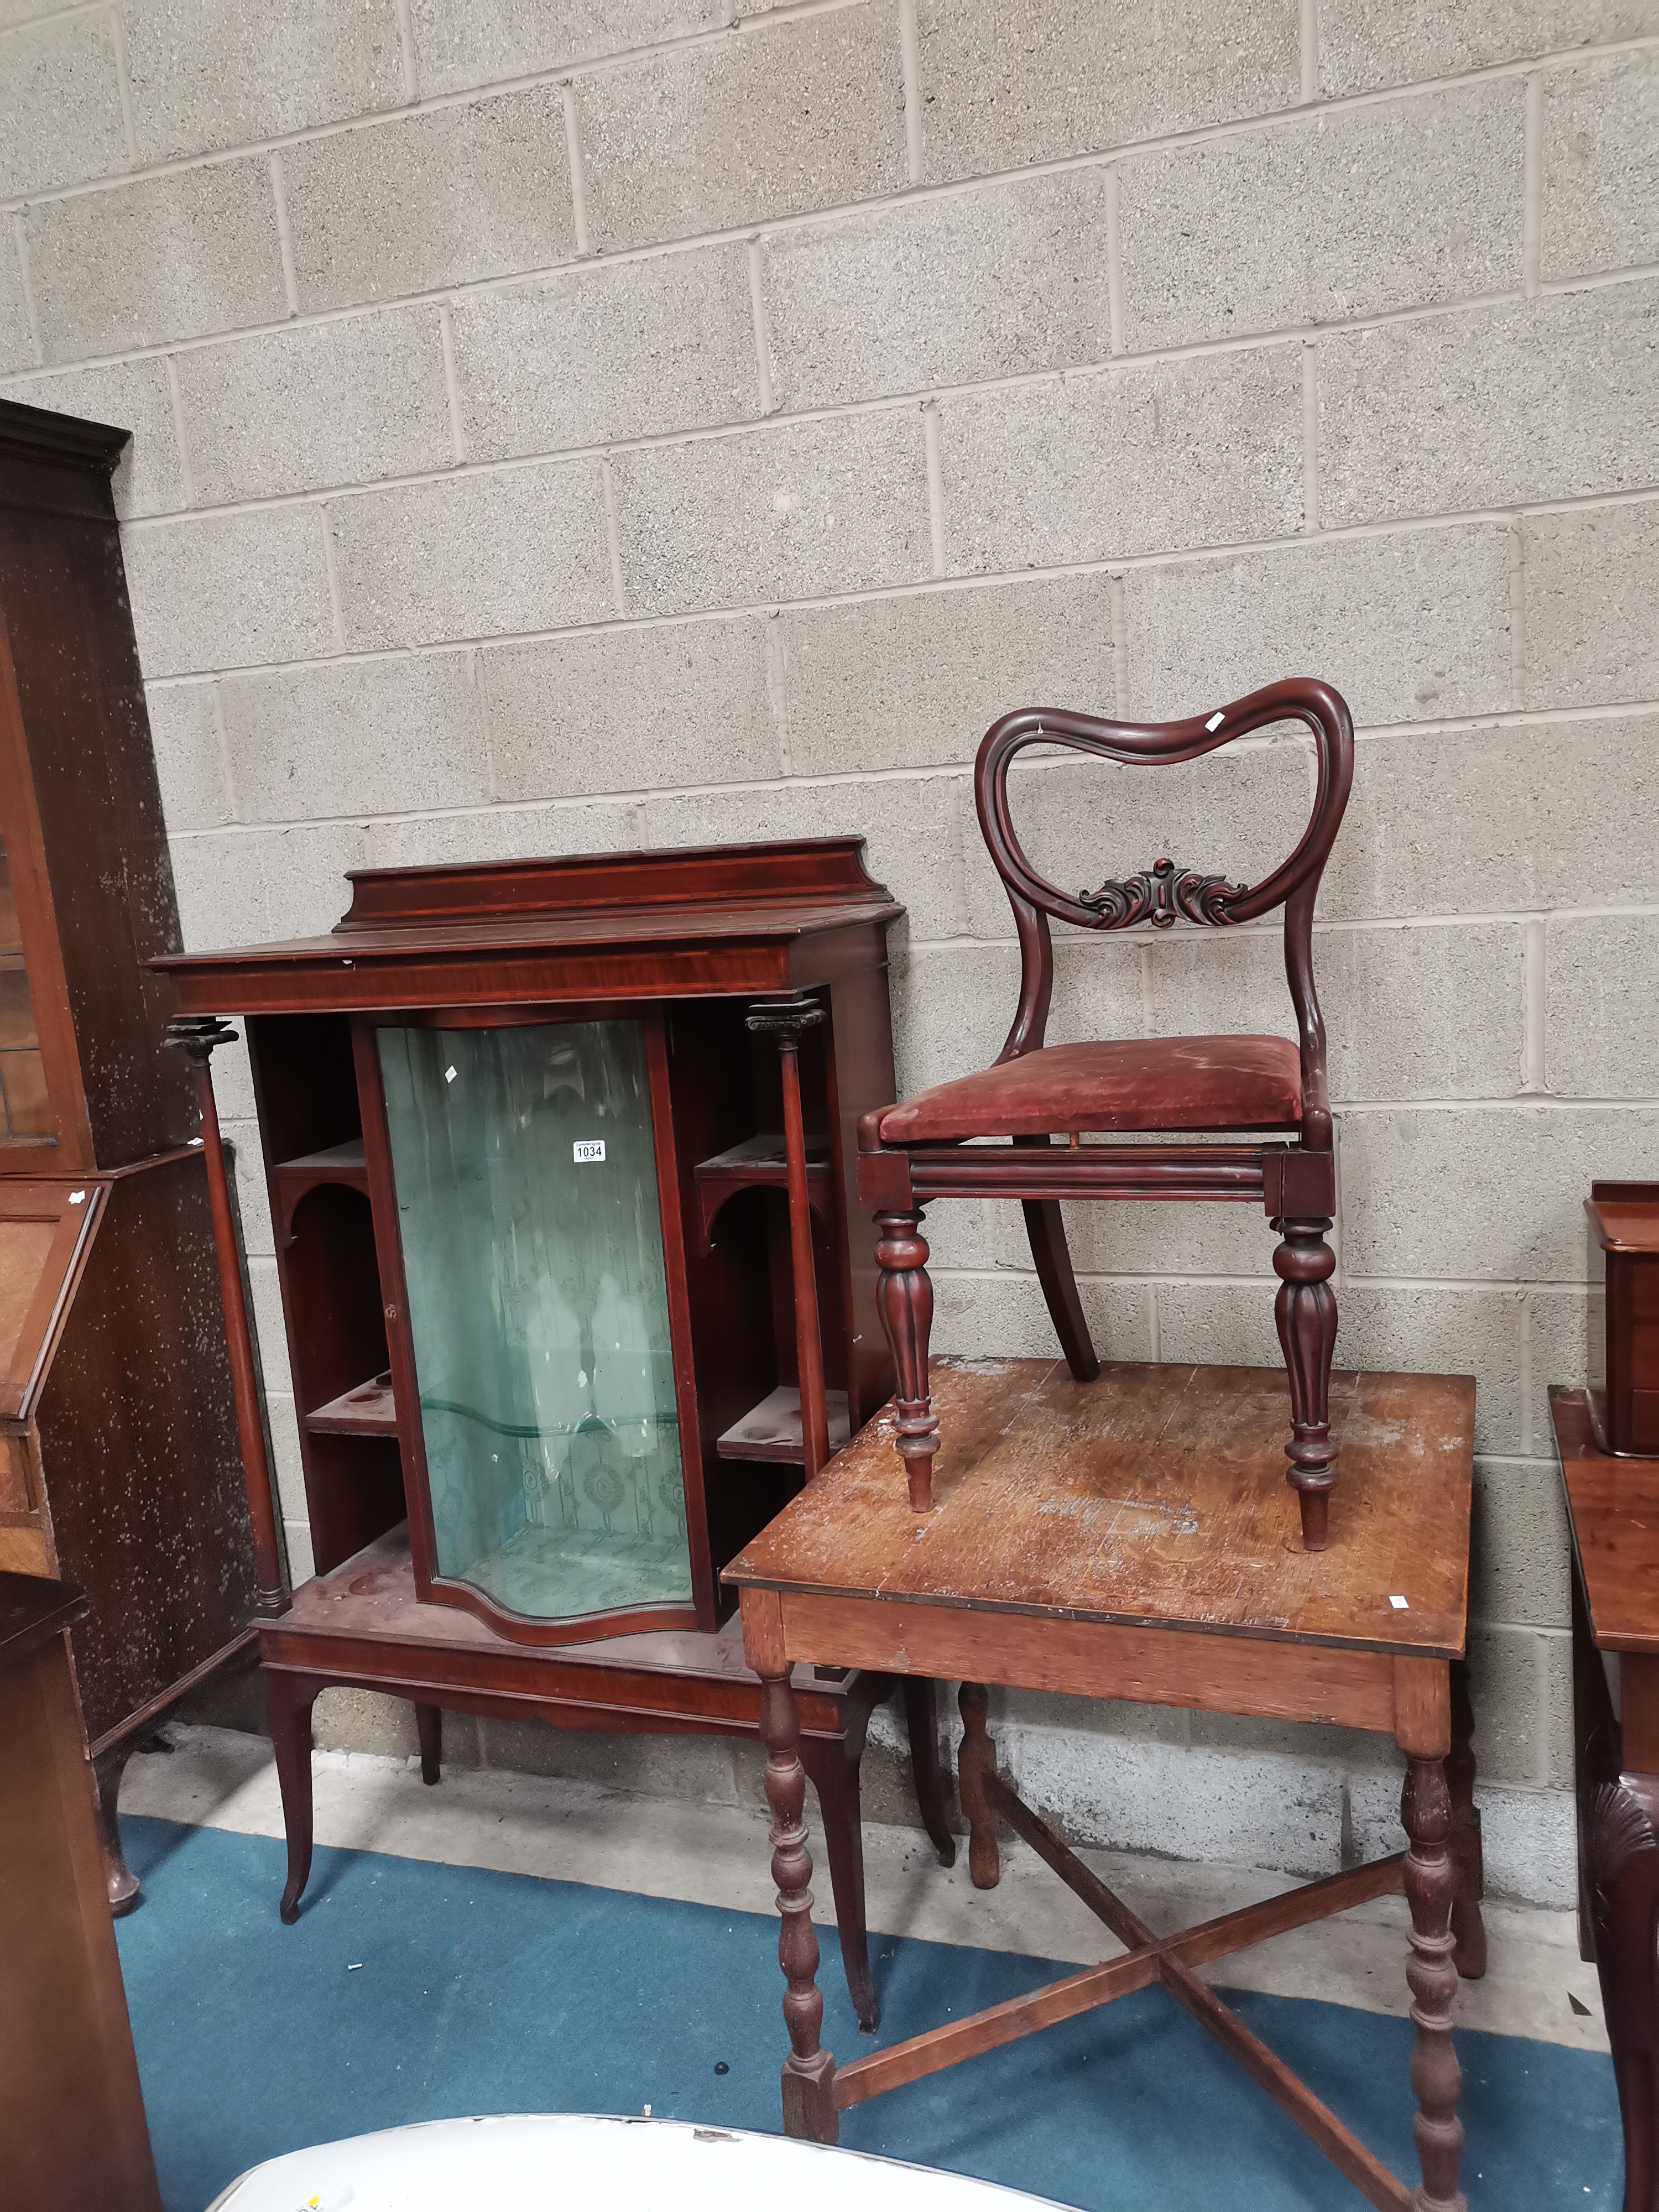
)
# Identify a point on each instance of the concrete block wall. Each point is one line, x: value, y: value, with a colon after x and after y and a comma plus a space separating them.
x: 565, y: 424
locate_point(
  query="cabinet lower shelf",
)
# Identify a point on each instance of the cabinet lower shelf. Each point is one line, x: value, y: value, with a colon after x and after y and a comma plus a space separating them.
x: 772, y: 1430
x: 366, y: 1410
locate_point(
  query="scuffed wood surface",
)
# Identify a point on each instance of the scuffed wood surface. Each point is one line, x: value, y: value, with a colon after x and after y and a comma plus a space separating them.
x: 1154, y: 1496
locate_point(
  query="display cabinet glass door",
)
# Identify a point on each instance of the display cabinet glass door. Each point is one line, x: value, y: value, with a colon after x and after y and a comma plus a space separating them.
x: 525, y: 1181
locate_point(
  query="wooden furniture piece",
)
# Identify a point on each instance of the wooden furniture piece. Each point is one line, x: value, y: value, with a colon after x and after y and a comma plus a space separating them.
x: 1613, y: 1508
x: 120, y: 1465
x: 1126, y: 1542
x: 932, y: 1146
x: 71, y: 2115
x: 1623, y: 1345
x: 559, y: 1153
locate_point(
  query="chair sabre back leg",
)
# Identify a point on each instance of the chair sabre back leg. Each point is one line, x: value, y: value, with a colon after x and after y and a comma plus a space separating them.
x: 1305, y: 1310
x: 1047, y: 1232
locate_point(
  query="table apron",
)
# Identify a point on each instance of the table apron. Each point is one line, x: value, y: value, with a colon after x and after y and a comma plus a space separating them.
x: 1208, y: 1673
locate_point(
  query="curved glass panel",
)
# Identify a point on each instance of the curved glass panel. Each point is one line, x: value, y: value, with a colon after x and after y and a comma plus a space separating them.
x: 526, y: 1188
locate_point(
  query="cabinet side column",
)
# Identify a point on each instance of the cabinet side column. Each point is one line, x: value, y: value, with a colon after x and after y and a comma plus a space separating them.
x: 195, y: 1040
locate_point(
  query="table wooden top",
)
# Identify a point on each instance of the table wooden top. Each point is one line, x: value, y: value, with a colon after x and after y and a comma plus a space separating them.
x: 1154, y: 1496
x: 1614, y: 1508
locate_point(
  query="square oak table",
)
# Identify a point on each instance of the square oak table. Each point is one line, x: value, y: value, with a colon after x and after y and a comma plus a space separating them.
x: 1612, y: 1507
x: 1133, y: 1538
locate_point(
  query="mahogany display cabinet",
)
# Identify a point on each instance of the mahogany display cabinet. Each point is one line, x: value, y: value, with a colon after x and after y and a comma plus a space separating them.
x: 119, y: 1459
x: 560, y: 1157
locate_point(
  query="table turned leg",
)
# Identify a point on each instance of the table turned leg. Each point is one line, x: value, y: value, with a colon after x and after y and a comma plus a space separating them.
x: 1425, y: 1812
x: 905, y: 1298
x: 1620, y: 1828
x: 809, y: 2071
x: 921, y: 1725
x: 288, y: 1701
x: 833, y: 1769
x: 1469, y: 1930
x: 976, y: 1762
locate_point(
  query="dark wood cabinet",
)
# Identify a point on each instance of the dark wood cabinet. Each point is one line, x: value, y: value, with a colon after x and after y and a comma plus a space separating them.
x: 543, y: 1252
x: 72, y: 2132
x: 1622, y: 1361
x: 119, y: 1466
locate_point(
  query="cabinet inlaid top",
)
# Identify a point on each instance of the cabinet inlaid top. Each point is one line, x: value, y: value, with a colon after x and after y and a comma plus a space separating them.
x: 1154, y: 1496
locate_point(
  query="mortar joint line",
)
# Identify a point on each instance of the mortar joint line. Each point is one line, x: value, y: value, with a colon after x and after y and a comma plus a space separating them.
x: 26, y: 278
x: 910, y: 68
x: 1534, y: 985
x: 118, y: 31
x: 285, y: 234
x: 1532, y: 186
x: 176, y: 396
x: 221, y: 734
x: 1563, y: 58
x: 1307, y: 48
x: 1118, y: 612
x: 772, y: 678
x: 573, y: 147
x: 452, y: 385
x: 406, y: 52
x: 935, y: 484
x: 1310, y: 437
x: 332, y: 566
x: 1517, y: 599
x: 1114, y: 261
x: 768, y: 403
x: 613, y: 537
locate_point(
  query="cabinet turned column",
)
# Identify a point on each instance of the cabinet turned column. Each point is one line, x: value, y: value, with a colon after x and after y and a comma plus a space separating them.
x: 809, y: 2071
x: 1425, y: 1813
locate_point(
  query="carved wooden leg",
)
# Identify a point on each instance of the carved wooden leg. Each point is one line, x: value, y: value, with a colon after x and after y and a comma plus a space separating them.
x: 1305, y: 1310
x: 288, y: 1701
x: 977, y: 1758
x: 1431, y: 1886
x: 905, y: 1297
x: 833, y: 1769
x: 809, y: 2071
x: 119, y: 1880
x: 1049, y: 1251
x: 921, y: 1724
x: 1621, y: 1817
x: 429, y: 1727
x: 1468, y: 1928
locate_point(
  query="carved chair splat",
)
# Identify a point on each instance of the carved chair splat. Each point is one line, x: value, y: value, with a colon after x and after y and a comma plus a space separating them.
x: 934, y: 1145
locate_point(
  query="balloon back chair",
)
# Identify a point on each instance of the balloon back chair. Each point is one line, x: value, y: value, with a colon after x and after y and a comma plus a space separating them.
x: 933, y: 1145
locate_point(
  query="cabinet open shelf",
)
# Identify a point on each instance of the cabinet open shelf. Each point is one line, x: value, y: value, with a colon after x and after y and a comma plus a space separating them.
x: 337, y: 1163
x: 367, y: 1410
x: 772, y: 1430
x: 759, y: 1163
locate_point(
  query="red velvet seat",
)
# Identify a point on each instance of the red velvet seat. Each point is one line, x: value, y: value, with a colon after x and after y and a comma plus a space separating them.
x: 1211, y: 1083
x: 1234, y: 1092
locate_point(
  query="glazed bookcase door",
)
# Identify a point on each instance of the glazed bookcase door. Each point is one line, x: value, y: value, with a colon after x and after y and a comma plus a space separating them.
x: 524, y: 1163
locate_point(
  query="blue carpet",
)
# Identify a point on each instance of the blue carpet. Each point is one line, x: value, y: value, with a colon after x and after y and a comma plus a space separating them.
x: 410, y: 1992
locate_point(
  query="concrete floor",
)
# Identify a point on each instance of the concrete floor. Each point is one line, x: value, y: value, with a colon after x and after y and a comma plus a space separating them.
x: 718, y: 1854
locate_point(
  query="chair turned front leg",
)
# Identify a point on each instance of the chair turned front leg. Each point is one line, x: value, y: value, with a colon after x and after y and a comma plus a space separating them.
x: 809, y: 2071
x: 1425, y: 1812
x: 1305, y: 1310
x: 905, y: 1297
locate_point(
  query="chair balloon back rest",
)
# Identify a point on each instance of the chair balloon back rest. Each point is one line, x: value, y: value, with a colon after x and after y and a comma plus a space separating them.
x: 1164, y: 892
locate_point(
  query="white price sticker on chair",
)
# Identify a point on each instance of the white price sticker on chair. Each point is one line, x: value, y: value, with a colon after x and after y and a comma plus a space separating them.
x: 587, y: 1148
